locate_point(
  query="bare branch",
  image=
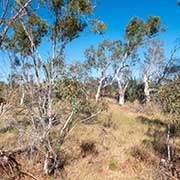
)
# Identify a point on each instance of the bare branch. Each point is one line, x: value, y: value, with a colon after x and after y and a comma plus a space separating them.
x: 63, y: 131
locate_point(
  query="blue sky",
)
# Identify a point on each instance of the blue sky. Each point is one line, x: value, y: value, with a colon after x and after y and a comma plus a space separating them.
x: 117, y: 13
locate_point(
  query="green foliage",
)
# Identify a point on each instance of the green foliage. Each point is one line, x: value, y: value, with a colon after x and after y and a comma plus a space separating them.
x: 137, y: 30
x: 19, y: 39
x: 90, y: 84
x: 82, y: 6
x: 111, y: 91
x: 98, y: 26
x: 106, y: 52
x: 69, y: 89
x: 74, y: 92
x: 113, y: 164
x: 2, y: 88
x: 90, y: 55
x: 56, y: 4
x: 135, y: 91
x: 68, y: 28
x: 71, y: 19
x: 153, y: 25
x: 169, y: 96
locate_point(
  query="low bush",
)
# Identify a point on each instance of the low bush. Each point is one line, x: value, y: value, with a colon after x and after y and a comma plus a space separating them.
x: 88, y: 147
x: 113, y: 164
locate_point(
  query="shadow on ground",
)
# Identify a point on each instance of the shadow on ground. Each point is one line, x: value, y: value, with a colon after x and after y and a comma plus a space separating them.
x: 157, y: 136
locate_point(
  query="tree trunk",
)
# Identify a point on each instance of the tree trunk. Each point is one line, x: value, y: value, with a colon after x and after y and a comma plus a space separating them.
x: 22, y: 97
x: 98, y: 93
x: 146, y: 89
x: 122, y: 90
x: 49, y: 164
x: 121, y: 97
x: 167, y: 142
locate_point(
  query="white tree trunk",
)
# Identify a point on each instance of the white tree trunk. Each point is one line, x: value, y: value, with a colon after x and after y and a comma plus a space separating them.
x: 22, y: 97
x: 98, y: 93
x: 103, y: 76
x: 46, y: 169
x: 121, y: 93
x: 146, y: 88
x: 121, y: 98
x: 49, y: 165
x: 122, y: 90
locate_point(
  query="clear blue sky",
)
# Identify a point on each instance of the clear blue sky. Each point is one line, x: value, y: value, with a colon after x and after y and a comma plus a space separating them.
x: 117, y: 13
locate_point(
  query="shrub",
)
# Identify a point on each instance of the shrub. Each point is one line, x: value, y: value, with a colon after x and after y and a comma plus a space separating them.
x: 169, y: 95
x: 88, y: 147
x: 135, y: 91
x: 141, y: 154
x: 113, y: 164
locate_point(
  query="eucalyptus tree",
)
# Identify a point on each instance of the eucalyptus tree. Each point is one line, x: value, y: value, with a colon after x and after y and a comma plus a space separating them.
x: 101, y: 60
x: 152, y: 65
x: 156, y: 68
x: 61, y: 22
x: 137, y: 32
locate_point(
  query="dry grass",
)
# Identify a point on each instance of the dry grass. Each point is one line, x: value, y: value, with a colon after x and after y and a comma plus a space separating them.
x: 117, y: 136
x: 114, y: 160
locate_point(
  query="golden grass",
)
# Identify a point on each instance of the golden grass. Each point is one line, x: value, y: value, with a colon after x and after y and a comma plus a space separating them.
x: 114, y: 160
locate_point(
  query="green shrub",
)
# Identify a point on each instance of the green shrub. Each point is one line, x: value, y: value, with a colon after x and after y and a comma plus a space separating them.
x: 135, y: 91
x: 113, y: 164
x: 169, y: 96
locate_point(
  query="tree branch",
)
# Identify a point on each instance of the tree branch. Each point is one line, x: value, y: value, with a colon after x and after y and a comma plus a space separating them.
x: 11, y: 20
x: 4, y: 12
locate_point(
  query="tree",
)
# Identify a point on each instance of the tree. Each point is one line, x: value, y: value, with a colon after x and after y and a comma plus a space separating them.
x: 152, y: 64
x: 136, y: 33
x: 101, y: 60
x: 39, y: 77
x: 168, y: 95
